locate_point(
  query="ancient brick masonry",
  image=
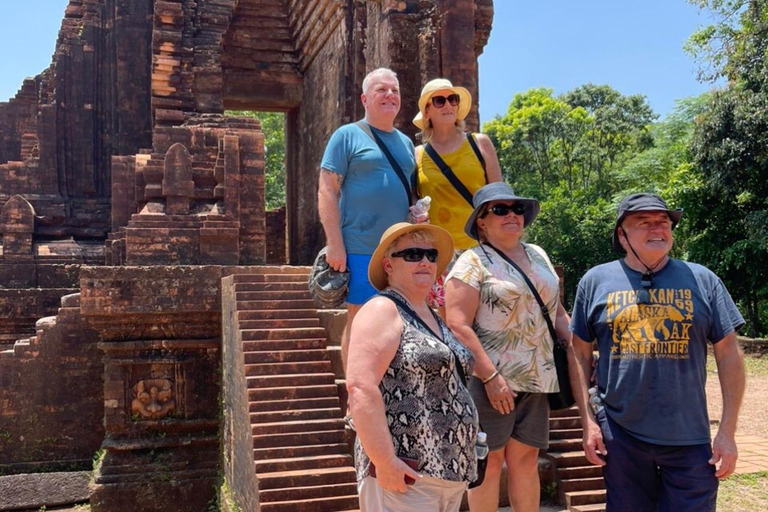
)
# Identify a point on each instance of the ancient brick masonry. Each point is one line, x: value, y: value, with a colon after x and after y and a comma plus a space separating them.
x: 119, y: 154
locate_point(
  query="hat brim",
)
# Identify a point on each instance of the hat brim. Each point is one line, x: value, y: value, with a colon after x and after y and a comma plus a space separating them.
x: 465, y: 104
x: 443, y: 242
x: 531, y: 211
x: 674, y: 215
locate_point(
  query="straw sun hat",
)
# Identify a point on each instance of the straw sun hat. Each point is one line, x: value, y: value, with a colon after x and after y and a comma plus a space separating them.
x: 442, y: 84
x: 443, y: 242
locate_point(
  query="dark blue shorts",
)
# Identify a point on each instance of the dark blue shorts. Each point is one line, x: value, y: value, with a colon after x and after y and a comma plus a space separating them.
x: 645, y: 477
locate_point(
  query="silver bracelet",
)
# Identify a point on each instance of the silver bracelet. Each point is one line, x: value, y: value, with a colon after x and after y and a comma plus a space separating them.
x: 489, y: 379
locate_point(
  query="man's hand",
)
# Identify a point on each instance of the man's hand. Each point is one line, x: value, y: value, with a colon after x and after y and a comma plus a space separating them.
x: 391, y: 476
x: 594, y: 448
x: 336, y: 256
x: 725, y: 452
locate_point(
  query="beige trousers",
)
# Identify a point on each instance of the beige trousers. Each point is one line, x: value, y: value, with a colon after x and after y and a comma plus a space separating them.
x: 428, y: 494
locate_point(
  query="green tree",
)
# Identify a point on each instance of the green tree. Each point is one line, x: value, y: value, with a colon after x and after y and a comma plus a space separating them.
x: 273, y: 126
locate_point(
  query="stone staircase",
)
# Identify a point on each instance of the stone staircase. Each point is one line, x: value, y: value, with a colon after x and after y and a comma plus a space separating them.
x: 580, y: 484
x: 300, y: 445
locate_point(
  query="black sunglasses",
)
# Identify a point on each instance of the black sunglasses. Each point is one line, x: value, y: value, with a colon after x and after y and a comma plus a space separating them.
x: 416, y: 254
x: 502, y: 210
x: 644, y: 296
x: 439, y: 101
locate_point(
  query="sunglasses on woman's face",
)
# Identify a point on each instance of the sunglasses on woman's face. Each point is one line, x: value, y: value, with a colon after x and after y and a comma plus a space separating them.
x: 416, y: 254
x: 439, y: 101
x: 502, y: 210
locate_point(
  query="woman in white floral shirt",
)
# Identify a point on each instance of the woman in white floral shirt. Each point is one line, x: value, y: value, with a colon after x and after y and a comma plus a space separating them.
x: 492, y: 311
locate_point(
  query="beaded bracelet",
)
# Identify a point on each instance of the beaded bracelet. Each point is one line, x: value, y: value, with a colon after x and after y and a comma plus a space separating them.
x: 493, y: 376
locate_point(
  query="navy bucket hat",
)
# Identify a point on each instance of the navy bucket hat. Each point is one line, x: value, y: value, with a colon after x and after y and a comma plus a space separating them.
x: 644, y: 202
x: 499, y: 191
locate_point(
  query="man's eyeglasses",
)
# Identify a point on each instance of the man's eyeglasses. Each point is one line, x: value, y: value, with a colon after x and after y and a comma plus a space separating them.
x: 502, y: 210
x: 416, y: 254
x: 439, y: 101
x: 643, y: 296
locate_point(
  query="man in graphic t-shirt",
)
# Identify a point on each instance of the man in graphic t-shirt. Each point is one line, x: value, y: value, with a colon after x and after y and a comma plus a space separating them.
x: 359, y: 193
x: 653, y: 318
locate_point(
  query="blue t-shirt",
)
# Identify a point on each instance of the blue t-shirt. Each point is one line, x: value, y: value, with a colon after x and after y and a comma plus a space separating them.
x: 652, y: 368
x: 372, y: 196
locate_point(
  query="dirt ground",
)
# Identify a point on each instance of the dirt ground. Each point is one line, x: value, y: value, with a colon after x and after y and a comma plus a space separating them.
x: 753, y: 419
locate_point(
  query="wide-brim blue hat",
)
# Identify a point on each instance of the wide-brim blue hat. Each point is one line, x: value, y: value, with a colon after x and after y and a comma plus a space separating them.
x: 499, y: 191
x: 643, y: 202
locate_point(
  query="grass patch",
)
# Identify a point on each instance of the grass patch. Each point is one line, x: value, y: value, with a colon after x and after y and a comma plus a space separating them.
x: 754, y: 365
x: 743, y: 492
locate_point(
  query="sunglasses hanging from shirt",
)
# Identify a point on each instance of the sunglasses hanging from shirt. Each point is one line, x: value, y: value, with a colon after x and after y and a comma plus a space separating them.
x: 448, y: 172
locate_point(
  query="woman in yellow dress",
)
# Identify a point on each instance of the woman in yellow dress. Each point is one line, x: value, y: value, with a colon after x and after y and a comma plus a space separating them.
x: 470, y: 158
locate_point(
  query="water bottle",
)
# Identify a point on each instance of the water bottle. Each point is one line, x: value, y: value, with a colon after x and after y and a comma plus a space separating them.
x: 595, y: 402
x: 481, y: 449
x: 420, y: 210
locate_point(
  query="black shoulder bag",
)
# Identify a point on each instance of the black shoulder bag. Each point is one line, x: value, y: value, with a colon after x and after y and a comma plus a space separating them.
x: 448, y: 172
x: 564, y: 398
x: 384, y: 149
x: 481, y: 463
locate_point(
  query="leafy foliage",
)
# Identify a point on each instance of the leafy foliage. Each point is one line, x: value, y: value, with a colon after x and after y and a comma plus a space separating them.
x: 273, y: 126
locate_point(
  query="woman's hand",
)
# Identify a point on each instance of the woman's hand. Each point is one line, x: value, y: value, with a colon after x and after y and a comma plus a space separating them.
x: 501, y: 397
x: 391, y: 476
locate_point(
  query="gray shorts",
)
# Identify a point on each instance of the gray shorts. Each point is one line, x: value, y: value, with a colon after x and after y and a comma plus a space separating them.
x: 528, y: 423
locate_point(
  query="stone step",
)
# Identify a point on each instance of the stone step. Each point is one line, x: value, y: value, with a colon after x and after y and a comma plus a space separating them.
x: 279, y: 381
x: 279, y: 323
x: 295, y: 415
x: 287, y: 368
x: 273, y: 277
x: 322, y: 402
x: 287, y: 427
x: 596, y: 507
x: 271, y: 272
x: 306, y: 492
x: 579, y: 472
x: 283, y: 345
x: 582, y: 484
x: 565, y: 445
x: 275, y: 314
x: 564, y: 423
x: 571, y: 412
x: 329, y: 504
x: 260, y: 286
x: 292, y: 392
x: 293, y: 463
x: 311, y: 450
x: 251, y: 305
x: 577, y: 498
x: 306, y: 477
x: 286, y: 356
x: 299, y: 439
x: 273, y: 295
x: 569, y: 459
x: 566, y: 433
x: 282, y: 334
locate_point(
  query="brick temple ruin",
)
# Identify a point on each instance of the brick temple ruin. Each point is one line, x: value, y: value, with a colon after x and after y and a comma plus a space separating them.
x: 147, y: 311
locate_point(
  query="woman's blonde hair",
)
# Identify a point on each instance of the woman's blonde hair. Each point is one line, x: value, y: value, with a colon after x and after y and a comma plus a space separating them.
x: 418, y: 236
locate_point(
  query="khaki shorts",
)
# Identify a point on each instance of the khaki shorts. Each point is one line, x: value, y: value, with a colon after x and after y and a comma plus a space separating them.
x: 527, y: 423
x: 428, y: 494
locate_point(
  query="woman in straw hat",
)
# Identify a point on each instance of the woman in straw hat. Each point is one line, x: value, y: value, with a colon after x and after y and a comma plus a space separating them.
x: 405, y: 377
x: 493, y: 312
x: 470, y: 158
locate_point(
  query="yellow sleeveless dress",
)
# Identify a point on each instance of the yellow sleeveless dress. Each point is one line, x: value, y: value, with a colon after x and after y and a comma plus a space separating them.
x: 449, y: 209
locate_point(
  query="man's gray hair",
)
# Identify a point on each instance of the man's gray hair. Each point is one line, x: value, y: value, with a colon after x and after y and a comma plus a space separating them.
x: 376, y: 73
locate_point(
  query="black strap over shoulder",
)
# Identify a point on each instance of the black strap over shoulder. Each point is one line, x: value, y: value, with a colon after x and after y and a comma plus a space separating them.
x: 478, y: 153
x: 448, y: 173
x: 544, y: 308
x: 408, y: 309
x: 384, y: 149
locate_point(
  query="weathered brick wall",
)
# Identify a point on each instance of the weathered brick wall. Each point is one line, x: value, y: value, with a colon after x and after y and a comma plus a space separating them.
x: 276, y: 242
x: 51, y: 396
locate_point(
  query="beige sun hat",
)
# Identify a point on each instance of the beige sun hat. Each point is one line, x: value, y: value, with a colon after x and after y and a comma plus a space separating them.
x: 443, y: 242
x: 442, y: 84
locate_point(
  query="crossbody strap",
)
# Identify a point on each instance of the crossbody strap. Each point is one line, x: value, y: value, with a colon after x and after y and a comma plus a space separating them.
x: 478, y: 153
x: 408, y: 309
x: 542, y: 306
x: 448, y: 173
x: 384, y: 149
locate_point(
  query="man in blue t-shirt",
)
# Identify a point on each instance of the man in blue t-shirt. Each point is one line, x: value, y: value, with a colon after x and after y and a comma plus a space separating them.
x: 653, y: 318
x: 359, y: 193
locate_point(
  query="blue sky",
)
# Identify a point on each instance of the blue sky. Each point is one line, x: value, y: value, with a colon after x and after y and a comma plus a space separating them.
x: 636, y: 47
